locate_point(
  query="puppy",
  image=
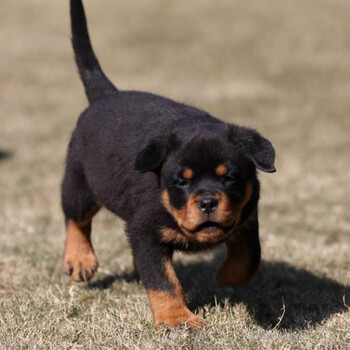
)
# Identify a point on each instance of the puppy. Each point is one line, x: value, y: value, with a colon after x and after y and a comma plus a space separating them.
x: 180, y: 179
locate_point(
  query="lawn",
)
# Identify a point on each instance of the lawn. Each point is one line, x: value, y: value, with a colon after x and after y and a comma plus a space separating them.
x: 282, y: 67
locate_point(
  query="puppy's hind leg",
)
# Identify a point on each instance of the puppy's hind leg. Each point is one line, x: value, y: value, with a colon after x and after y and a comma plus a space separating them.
x: 79, y: 206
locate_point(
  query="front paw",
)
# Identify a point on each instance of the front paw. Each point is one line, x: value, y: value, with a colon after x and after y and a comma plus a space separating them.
x: 172, y: 319
x: 171, y: 310
x: 80, y: 265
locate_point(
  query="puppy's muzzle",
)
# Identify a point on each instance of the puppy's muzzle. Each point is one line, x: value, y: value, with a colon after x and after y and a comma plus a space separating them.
x: 208, y: 204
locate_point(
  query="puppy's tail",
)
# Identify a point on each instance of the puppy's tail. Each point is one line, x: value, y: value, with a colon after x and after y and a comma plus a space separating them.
x: 95, y: 82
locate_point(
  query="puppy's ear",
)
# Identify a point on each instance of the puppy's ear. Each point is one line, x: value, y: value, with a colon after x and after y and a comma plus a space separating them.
x: 262, y: 153
x: 255, y: 147
x: 153, y: 155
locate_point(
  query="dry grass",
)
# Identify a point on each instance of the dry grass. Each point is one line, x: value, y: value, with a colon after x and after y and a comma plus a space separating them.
x: 282, y: 67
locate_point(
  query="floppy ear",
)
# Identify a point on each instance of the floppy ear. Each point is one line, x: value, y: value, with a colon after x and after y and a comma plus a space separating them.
x: 262, y: 153
x: 151, y: 157
x: 258, y: 149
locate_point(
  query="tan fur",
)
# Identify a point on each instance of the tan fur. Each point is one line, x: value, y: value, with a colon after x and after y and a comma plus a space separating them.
x: 169, y: 235
x: 190, y: 217
x: 179, y: 215
x: 79, y: 258
x: 221, y: 170
x: 170, y: 309
x: 247, y: 195
x: 235, y: 271
x: 230, y: 214
x: 175, y: 236
x: 187, y: 173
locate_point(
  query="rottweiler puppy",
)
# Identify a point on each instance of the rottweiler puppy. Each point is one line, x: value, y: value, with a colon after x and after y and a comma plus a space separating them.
x: 180, y: 179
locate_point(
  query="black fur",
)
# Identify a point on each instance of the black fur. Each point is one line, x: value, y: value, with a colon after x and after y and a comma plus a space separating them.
x: 95, y: 82
x: 130, y: 146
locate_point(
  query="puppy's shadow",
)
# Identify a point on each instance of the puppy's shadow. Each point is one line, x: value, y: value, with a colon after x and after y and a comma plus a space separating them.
x: 281, y: 295
x: 107, y: 281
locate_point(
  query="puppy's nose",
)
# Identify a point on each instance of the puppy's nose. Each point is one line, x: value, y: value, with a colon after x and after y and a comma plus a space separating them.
x: 208, y: 204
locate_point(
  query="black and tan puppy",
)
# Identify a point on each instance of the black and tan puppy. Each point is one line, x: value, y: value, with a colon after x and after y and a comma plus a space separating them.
x: 180, y: 178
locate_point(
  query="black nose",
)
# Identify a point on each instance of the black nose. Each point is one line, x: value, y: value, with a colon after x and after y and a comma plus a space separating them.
x: 208, y: 205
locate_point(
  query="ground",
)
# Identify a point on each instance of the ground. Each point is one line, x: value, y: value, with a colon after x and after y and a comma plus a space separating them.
x: 282, y: 67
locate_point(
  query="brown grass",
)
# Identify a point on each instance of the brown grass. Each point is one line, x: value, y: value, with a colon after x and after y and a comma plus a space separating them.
x: 282, y: 67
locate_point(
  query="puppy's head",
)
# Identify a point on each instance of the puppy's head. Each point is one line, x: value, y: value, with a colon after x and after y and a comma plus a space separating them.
x: 206, y: 175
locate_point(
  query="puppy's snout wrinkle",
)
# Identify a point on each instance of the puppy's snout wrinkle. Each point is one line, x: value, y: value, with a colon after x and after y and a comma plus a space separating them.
x: 208, y: 204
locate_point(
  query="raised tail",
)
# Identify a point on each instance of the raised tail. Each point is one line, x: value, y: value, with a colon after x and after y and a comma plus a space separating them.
x: 95, y: 82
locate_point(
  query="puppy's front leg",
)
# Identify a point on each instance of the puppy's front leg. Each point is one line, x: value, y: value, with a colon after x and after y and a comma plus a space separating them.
x: 243, y: 257
x: 154, y: 264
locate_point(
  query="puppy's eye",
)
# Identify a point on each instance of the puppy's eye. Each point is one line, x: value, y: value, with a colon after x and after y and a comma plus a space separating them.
x: 229, y: 179
x: 181, y: 182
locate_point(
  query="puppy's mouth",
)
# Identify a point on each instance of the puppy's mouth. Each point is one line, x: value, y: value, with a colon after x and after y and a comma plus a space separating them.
x: 209, y: 227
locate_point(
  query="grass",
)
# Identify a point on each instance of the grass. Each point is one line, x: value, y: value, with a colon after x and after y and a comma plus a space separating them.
x: 279, y: 66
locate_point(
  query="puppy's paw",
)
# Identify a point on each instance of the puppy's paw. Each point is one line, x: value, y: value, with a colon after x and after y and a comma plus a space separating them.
x: 195, y: 322
x: 81, y: 265
x: 181, y: 317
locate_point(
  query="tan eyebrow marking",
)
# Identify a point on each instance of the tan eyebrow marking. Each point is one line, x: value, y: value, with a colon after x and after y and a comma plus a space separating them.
x: 187, y: 173
x: 221, y: 170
